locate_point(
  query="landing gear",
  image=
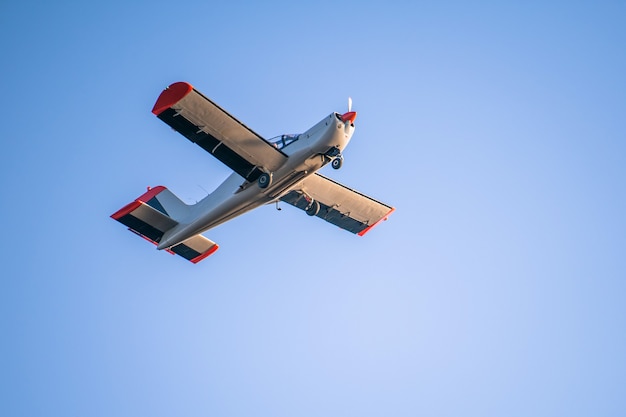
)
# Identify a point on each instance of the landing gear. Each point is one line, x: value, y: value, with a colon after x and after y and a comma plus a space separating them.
x: 334, y: 151
x: 264, y: 180
x: 313, y: 208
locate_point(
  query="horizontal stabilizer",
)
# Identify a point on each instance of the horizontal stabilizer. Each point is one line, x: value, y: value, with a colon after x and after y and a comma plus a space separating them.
x: 149, y: 217
x: 195, y: 249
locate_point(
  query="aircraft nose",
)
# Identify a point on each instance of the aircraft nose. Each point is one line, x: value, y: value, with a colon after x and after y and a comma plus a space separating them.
x: 351, y: 116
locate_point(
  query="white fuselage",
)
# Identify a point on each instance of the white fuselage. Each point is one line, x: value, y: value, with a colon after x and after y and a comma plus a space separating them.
x: 235, y: 196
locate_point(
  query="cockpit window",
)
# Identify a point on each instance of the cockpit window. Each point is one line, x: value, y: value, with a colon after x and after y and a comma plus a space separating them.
x: 283, y: 140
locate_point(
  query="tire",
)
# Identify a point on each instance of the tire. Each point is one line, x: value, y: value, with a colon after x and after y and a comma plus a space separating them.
x: 313, y: 208
x: 264, y: 180
x: 337, y: 163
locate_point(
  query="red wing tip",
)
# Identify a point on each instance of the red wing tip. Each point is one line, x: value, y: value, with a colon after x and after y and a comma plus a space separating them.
x: 171, y: 95
x: 127, y: 209
x: 382, y: 219
x: 206, y: 254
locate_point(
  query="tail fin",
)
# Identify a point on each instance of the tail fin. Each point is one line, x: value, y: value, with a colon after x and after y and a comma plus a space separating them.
x: 156, y: 212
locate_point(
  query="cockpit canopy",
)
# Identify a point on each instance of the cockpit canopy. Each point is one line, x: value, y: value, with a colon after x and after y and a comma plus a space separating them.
x: 283, y: 140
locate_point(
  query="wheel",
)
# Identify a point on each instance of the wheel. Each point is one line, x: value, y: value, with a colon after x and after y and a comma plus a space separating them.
x: 264, y: 180
x: 337, y: 163
x: 313, y: 208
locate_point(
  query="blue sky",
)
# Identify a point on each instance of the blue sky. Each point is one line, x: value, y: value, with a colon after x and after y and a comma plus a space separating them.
x: 496, y: 288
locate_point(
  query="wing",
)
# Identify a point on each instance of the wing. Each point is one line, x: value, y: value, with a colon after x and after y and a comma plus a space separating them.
x: 203, y: 122
x: 339, y: 205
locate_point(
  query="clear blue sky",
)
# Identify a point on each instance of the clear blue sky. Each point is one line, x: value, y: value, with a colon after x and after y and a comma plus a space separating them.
x: 496, y: 288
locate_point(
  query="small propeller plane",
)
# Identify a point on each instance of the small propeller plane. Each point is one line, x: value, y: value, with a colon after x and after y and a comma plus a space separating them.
x: 265, y: 171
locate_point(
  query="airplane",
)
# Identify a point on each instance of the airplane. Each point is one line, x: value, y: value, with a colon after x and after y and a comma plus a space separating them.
x: 266, y: 171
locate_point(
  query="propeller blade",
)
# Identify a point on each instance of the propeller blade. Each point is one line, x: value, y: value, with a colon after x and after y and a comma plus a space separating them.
x: 350, y: 116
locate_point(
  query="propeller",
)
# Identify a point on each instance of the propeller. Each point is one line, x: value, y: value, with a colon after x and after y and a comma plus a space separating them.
x: 350, y: 115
